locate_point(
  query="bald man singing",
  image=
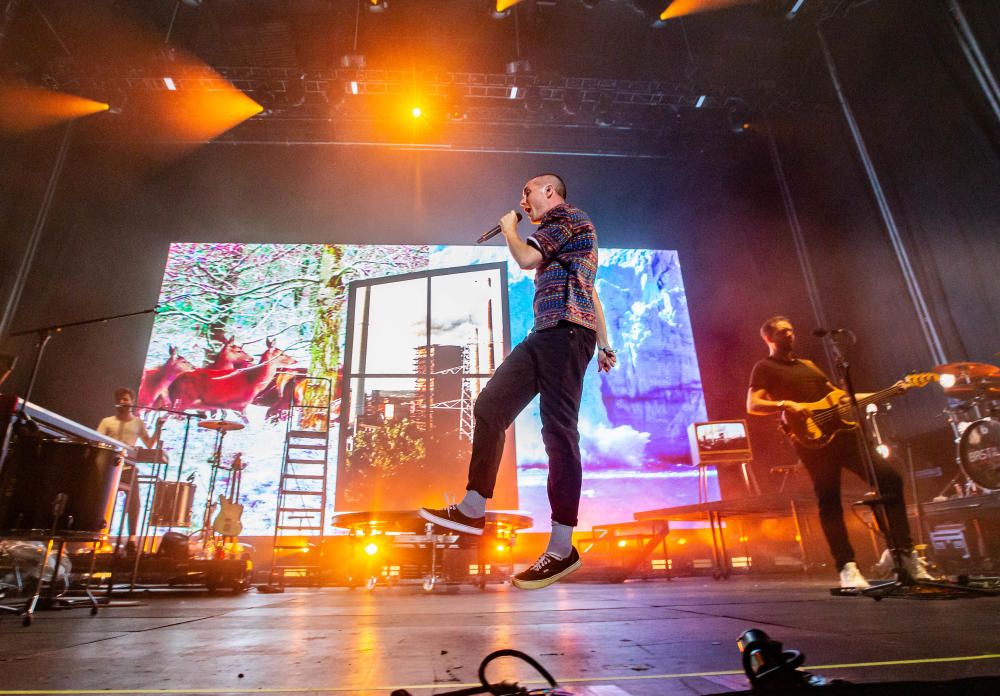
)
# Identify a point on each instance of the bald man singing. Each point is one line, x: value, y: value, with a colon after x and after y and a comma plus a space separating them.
x: 569, y: 325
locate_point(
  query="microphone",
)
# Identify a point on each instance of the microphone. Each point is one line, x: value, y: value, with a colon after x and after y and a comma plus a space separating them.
x: 493, y: 232
x: 820, y: 333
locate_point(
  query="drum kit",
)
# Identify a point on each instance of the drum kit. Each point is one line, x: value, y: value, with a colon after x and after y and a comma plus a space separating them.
x: 973, y: 392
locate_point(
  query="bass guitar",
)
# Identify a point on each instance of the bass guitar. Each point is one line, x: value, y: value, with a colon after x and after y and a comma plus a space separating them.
x: 822, y: 420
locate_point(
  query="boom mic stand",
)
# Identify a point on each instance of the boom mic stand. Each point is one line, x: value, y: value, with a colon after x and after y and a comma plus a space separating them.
x: 904, y: 585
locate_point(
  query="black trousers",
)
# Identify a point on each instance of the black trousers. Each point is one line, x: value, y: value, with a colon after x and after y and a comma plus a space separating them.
x: 550, y: 363
x: 824, y: 466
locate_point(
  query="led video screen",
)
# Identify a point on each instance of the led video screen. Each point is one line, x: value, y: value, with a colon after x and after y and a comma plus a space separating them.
x: 383, y: 349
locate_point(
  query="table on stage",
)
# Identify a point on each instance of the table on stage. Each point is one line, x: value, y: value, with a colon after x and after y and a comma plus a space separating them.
x: 419, y: 546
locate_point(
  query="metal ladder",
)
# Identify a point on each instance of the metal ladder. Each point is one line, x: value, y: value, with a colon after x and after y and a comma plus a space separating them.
x: 301, y: 506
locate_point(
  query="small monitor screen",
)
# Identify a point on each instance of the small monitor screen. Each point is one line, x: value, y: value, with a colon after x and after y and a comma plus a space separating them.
x: 719, y: 441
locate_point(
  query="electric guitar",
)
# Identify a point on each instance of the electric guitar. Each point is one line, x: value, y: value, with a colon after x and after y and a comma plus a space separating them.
x: 823, y: 419
x: 228, y: 522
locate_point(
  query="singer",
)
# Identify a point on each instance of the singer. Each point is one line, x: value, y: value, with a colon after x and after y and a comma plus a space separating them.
x: 126, y: 427
x: 569, y: 324
x: 781, y: 382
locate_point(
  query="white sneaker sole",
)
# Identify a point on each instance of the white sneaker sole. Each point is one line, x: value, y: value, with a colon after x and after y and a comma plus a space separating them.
x: 450, y: 524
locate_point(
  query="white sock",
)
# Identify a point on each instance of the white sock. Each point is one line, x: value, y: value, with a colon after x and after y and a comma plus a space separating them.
x: 560, y: 541
x: 473, y: 504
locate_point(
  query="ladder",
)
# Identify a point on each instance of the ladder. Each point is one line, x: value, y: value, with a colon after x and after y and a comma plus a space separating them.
x: 300, y: 515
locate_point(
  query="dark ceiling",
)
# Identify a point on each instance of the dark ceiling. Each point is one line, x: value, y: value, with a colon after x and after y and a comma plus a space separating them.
x: 595, y: 75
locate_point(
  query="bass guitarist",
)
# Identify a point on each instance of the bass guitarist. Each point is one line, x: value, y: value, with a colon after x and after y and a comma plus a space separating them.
x: 784, y: 384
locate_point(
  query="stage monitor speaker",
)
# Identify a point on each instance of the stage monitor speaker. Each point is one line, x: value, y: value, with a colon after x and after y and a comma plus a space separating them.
x: 174, y: 545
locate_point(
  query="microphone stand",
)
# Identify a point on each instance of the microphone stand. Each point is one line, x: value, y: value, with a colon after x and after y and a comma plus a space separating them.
x: 44, y: 335
x: 904, y: 585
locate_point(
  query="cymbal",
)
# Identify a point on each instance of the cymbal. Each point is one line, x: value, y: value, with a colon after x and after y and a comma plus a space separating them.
x: 967, y: 370
x: 220, y: 425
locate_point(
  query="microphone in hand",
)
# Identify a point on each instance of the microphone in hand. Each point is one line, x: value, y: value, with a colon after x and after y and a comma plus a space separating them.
x: 494, y: 231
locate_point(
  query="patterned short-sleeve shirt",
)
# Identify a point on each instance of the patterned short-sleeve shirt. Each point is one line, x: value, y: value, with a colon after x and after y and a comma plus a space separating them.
x: 564, y: 282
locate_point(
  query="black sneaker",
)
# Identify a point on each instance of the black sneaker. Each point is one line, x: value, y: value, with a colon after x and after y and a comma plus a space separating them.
x: 451, y: 518
x: 546, y: 570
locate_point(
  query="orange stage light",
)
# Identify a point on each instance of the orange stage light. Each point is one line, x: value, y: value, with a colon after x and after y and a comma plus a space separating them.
x: 682, y: 8
x: 504, y: 5
x: 24, y: 109
x: 416, y: 112
x: 371, y: 549
x: 201, y: 115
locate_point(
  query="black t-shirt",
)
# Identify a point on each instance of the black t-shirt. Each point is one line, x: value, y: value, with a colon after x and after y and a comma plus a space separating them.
x: 795, y: 380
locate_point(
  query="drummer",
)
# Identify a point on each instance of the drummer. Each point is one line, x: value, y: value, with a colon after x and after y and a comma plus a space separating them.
x: 126, y: 427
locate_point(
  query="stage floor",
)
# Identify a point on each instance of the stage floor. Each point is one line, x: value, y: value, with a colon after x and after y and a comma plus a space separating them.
x: 638, y: 638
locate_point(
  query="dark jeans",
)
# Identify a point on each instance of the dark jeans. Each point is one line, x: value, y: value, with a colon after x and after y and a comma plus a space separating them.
x: 551, y: 363
x: 824, y: 467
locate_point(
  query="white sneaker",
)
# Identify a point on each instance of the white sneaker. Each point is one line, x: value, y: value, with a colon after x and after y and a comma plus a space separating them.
x: 851, y: 577
x: 883, y: 569
x: 916, y: 566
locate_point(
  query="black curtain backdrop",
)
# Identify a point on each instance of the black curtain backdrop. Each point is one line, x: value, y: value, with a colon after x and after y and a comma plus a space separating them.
x: 926, y: 123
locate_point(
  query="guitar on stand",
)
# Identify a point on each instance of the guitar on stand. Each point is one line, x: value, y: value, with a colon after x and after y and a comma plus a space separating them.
x: 820, y: 421
x: 228, y: 522
x: 208, y: 528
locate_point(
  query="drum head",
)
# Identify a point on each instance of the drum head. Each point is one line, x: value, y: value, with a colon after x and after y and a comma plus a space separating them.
x: 979, y: 453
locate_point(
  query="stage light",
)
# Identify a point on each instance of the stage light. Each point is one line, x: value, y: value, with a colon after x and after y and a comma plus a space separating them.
x: 24, y: 109
x: 455, y: 104
x: 622, y: 544
x: 416, y: 112
x: 701, y: 102
x: 682, y: 541
x: 377, y: 6
x: 371, y: 549
x: 883, y: 450
x: 604, y: 111
x: 295, y: 90
x: 572, y: 101
x: 502, y: 8
x: 169, y: 83
x: 947, y: 381
x: 501, y: 548
x: 737, y: 115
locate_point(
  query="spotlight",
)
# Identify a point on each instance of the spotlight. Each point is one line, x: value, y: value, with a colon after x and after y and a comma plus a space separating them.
x: 572, y: 101
x: 455, y: 104
x: 371, y: 549
x: 377, y: 6
x: 737, y: 115
x: 502, y: 8
x: 883, y: 450
x: 295, y: 90
x: 622, y: 543
x: 788, y: 9
x: 416, y: 112
x: 947, y: 381
x: 532, y: 99
x: 352, y: 60
x: 603, y: 113
x: 501, y: 548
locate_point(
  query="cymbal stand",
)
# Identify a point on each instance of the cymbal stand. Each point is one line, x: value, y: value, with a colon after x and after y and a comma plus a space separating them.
x: 904, y: 585
x: 206, y: 526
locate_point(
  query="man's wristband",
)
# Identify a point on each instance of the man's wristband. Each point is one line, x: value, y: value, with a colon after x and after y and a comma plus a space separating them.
x: 607, y: 350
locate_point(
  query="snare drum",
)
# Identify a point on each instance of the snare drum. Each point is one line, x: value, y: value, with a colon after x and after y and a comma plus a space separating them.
x: 979, y: 453
x: 36, y: 471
